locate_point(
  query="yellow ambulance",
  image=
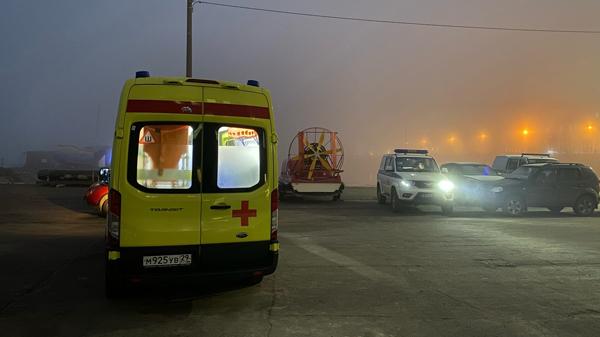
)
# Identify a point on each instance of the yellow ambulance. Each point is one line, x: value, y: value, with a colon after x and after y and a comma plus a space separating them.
x: 193, y: 189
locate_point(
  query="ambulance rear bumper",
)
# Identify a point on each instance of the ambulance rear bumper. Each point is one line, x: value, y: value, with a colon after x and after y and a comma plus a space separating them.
x: 251, y: 258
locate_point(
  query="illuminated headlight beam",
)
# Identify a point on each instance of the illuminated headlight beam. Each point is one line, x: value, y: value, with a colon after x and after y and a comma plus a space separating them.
x: 406, y: 184
x: 446, y: 185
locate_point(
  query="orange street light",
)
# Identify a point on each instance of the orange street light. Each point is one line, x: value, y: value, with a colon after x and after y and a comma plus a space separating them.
x: 483, y: 136
x: 589, y: 128
x: 525, y: 132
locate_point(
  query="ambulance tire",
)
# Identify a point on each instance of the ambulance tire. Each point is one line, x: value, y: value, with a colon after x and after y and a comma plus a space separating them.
x: 113, y: 285
x: 252, y: 280
x: 285, y: 192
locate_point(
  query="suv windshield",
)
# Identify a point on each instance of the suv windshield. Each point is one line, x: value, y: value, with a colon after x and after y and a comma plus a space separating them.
x: 476, y: 170
x: 416, y: 164
x: 523, y: 172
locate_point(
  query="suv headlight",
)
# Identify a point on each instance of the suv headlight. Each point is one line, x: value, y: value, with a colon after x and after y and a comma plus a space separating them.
x: 446, y: 185
x: 406, y: 183
x: 497, y: 189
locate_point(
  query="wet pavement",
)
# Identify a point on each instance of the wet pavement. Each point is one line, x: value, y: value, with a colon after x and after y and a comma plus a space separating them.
x: 349, y: 268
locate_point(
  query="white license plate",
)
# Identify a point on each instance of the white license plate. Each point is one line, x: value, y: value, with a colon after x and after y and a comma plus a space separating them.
x: 426, y: 195
x: 167, y: 260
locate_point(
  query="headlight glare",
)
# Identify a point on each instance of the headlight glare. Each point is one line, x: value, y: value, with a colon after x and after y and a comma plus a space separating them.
x: 446, y: 185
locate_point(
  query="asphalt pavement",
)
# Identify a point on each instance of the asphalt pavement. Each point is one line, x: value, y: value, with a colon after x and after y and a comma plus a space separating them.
x: 348, y: 268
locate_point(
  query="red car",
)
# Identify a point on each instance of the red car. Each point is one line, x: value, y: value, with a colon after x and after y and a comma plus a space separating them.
x: 97, y: 194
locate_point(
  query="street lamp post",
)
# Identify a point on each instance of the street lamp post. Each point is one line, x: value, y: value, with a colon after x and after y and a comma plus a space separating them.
x: 188, y: 54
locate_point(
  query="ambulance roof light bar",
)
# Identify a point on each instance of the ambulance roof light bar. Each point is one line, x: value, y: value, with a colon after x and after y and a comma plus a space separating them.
x: 411, y: 151
x: 142, y: 74
x: 253, y: 83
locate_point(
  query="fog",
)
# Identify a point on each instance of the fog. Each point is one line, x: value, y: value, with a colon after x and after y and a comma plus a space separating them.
x: 381, y: 86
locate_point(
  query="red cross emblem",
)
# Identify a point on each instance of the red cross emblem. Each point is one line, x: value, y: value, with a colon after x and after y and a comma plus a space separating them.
x: 244, y: 213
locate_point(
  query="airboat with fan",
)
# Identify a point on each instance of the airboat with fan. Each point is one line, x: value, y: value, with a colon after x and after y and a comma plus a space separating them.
x: 313, y: 165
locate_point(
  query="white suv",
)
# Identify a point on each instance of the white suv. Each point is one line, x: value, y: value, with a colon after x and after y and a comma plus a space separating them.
x: 507, y: 163
x: 412, y: 177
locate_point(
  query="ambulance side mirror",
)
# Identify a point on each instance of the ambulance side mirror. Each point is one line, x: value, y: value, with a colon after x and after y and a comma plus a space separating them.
x: 274, y: 138
x: 444, y: 170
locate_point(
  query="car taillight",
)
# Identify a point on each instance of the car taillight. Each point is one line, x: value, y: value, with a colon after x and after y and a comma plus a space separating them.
x: 274, y: 214
x: 113, y: 219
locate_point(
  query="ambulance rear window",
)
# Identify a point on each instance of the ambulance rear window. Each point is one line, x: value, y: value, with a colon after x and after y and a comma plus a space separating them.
x: 165, y: 156
x: 238, y: 158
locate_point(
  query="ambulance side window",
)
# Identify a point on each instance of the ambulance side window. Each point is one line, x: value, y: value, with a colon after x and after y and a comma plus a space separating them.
x: 161, y: 156
x: 235, y: 158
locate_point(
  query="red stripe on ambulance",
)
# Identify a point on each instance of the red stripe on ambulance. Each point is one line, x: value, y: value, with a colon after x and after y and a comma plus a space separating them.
x: 235, y: 110
x: 158, y: 106
x: 217, y: 109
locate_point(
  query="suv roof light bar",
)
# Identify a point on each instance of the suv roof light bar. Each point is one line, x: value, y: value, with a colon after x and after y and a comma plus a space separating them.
x: 411, y: 151
x: 536, y: 154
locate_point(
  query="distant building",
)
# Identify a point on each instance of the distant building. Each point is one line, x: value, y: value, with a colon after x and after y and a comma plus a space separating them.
x: 69, y: 158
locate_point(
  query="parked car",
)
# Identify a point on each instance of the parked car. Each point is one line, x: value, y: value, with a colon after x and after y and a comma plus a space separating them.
x: 412, y: 177
x: 470, y: 180
x: 97, y: 194
x: 505, y: 164
x: 65, y: 177
x: 550, y: 185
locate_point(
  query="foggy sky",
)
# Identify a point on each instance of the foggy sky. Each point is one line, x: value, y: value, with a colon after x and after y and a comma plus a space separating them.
x: 63, y: 64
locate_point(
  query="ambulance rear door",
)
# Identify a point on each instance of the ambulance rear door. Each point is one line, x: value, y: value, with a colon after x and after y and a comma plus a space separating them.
x: 236, y: 178
x: 161, y: 199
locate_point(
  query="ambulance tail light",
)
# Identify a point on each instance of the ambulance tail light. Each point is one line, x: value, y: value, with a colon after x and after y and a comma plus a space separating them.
x: 113, y: 219
x: 274, y: 214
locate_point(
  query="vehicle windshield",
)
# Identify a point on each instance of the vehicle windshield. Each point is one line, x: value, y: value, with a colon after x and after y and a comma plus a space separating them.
x: 476, y: 170
x: 523, y: 172
x: 416, y: 164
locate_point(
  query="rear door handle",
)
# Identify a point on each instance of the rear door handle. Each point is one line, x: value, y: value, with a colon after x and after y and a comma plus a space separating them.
x: 220, y: 206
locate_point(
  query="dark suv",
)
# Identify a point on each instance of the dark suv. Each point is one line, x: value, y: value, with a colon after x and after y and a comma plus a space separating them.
x: 550, y: 185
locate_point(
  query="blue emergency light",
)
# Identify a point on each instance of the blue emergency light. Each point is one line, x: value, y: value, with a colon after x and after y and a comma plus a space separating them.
x: 142, y: 74
x: 253, y: 83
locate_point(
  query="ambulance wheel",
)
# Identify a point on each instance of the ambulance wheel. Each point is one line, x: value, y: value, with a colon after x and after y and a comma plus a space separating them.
x: 253, y: 280
x: 113, y: 284
x: 112, y: 290
x: 380, y: 197
x: 337, y: 196
x: 282, y: 192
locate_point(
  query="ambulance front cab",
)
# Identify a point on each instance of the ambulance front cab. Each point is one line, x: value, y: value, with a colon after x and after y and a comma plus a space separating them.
x: 193, y: 190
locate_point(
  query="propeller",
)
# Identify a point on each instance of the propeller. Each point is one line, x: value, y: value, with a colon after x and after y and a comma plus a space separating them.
x: 316, y: 157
